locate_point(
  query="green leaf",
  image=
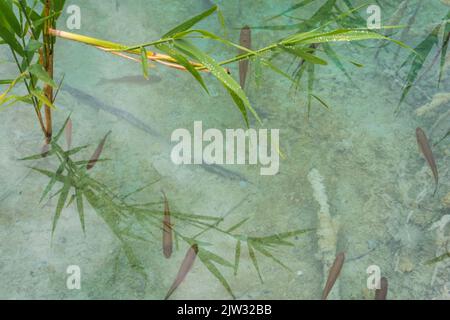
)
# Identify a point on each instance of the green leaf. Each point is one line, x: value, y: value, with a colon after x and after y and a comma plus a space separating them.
x: 443, y: 50
x: 238, y: 225
x: 441, y: 258
x: 252, y: 255
x: 240, y: 104
x: 194, y: 216
x: 417, y: 62
x: 48, y: 173
x: 221, y: 19
x: 311, y: 77
x: 85, y: 162
x: 9, y: 81
x: 339, y: 35
x: 274, y: 68
x: 38, y: 22
x: 184, y: 62
x: 216, y: 273
x: 263, y: 251
x: 209, y: 35
x: 443, y: 138
x: 11, y: 40
x: 6, y: 11
x: 61, y: 131
x: 33, y: 46
x: 38, y: 71
x: 15, y: 99
x: 42, y: 98
x: 71, y: 200
x: 190, y: 23
x: 335, y: 59
x: 10, y: 87
x: 144, y: 61
x: 237, y: 257
x: 58, y: 5
x: 219, y: 72
x: 38, y: 156
x: 292, y: 8
x: 61, y: 202
x: 52, y: 182
x: 320, y: 100
x: 278, y: 238
x: 208, y: 255
x: 80, y: 207
x: 301, y: 53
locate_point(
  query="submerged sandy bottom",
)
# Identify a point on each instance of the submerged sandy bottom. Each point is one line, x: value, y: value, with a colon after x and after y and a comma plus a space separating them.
x: 379, y: 189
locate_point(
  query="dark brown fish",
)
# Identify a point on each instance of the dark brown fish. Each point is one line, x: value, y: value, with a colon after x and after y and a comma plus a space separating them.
x: 335, y: 270
x: 68, y: 133
x: 167, y: 230
x: 97, y: 153
x: 186, y: 266
x: 381, y: 294
x: 425, y: 148
x: 246, y: 42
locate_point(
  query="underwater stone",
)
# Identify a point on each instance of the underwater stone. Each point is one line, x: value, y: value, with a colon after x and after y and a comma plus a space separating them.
x: 446, y: 201
x: 405, y: 265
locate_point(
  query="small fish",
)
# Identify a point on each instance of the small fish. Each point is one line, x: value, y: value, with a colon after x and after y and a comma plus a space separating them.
x: 335, y: 270
x: 381, y: 294
x: 224, y: 173
x: 167, y: 230
x: 68, y: 133
x: 131, y: 80
x: 97, y: 104
x: 424, y: 146
x: 97, y: 153
x: 186, y: 266
x: 246, y: 42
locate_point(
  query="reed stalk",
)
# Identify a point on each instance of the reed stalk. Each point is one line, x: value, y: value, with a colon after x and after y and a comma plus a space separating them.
x: 47, y: 60
x: 113, y: 48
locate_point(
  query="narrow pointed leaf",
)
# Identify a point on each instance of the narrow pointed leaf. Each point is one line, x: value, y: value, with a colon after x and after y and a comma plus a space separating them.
x: 184, y: 62
x: 61, y: 202
x: 252, y: 255
x: 190, y: 23
x: 38, y: 71
x: 208, y: 255
x: 80, y: 207
x: 52, y: 182
x: 216, y: 273
x: 144, y: 61
x: 220, y: 73
x: 265, y: 252
x: 237, y: 257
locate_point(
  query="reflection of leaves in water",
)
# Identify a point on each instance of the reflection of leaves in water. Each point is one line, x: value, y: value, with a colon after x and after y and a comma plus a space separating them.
x: 424, y: 49
x: 132, y: 222
x: 441, y: 258
x: 340, y: 14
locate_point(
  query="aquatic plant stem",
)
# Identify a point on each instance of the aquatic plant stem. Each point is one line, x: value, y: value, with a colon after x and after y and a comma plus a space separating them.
x: 48, y: 66
x: 113, y: 48
x: 27, y: 85
x: 165, y: 63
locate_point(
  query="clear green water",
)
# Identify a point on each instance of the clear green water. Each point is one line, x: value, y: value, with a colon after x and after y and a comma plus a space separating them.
x: 379, y: 188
